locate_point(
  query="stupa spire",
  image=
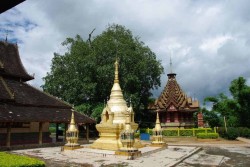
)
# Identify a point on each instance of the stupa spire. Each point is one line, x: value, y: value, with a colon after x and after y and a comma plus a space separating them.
x: 72, y: 126
x: 157, y: 123
x: 116, y: 71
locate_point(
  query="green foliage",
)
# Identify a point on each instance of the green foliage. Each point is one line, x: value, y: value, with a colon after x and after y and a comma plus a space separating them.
x: 137, y: 135
x: 92, y: 110
x: 85, y: 73
x: 232, y: 133
x: 172, y: 132
x: 244, y: 132
x: 236, y: 110
x: 186, y: 132
x: 207, y: 135
x: 12, y: 160
x: 211, y: 117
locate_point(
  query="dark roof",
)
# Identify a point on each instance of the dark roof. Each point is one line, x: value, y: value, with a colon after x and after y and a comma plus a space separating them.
x: 12, y: 113
x: 24, y: 94
x: 5, y: 94
x: 11, y: 64
x: 8, y: 4
x: 20, y: 102
x: 173, y: 98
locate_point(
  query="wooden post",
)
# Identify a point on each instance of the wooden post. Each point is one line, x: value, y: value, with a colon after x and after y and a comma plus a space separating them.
x: 40, y: 133
x: 178, y: 131
x: 8, y: 134
x: 65, y: 129
x: 87, y: 132
x: 57, y: 126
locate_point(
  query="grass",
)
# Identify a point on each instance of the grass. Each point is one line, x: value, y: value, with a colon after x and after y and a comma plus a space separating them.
x: 13, y: 160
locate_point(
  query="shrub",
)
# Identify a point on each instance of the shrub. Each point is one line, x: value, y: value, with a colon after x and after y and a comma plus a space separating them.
x: 137, y: 135
x: 244, y: 132
x: 171, y: 132
x: 186, y: 132
x: 232, y: 133
x: 12, y: 160
x: 207, y: 135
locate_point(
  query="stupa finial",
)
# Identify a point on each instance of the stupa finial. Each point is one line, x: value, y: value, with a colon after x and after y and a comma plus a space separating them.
x: 116, y: 71
x: 171, y: 69
x: 72, y: 126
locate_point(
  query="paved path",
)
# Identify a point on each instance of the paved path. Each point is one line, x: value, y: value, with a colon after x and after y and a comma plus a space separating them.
x: 181, y: 152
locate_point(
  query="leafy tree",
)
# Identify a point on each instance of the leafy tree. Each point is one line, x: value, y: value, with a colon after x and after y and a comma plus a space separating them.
x: 84, y: 75
x: 235, y: 109
x: 211, y: 117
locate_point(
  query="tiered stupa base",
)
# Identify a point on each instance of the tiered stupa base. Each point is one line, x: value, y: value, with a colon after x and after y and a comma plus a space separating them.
x: 109, y: 137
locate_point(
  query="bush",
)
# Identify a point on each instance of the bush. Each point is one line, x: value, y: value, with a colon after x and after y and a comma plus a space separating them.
x: 244, y: 132
x: 186, y: 132
x: 12, y: 160
x: 172, y: 132
x: 137, y: 135
x: 207, y: 135
x: 232, y: 133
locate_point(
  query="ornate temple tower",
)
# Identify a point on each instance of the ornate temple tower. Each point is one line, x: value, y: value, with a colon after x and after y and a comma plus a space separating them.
x: 113, y: 118
x: 175, y: 108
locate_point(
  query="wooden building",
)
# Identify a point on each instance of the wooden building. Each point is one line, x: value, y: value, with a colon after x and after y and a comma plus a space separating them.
x: 26, y: 112
x: 175, y: 108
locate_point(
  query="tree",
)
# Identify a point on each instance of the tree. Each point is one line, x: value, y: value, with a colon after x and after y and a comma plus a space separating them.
x: 84, y: 74
x: 235, y: 109
x: 241, y: 93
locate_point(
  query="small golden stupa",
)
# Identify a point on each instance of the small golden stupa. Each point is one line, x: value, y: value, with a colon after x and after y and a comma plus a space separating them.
x: 128, y: 140
x: 72, y: 135
x: 157, y: 134
x: 113, y: 119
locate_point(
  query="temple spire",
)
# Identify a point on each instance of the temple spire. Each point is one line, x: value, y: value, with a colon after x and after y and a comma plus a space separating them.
x: 171, y: 69
x: 116, y: 72
x: 72, y: 125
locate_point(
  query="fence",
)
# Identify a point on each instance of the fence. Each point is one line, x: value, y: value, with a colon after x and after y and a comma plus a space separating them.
x: 183, y: 132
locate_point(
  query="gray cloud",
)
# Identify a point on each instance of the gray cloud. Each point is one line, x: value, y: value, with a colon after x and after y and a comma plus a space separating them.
x: 208, y: 40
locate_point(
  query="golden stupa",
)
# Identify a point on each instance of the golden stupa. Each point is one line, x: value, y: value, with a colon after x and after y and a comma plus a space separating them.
x: 72, y: 135
x: 113, y: 119
x: 157, y: 134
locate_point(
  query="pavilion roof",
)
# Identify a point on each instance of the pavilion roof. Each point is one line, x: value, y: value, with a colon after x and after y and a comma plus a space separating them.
x: 20, y: 102
x: 10, y: 62
x: 173, y: 98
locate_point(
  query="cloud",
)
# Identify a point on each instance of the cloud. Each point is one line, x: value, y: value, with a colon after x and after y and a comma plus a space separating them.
x: 208, y: 40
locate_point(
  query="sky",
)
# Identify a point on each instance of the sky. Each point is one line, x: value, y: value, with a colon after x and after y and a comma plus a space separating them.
x: 208, y: 40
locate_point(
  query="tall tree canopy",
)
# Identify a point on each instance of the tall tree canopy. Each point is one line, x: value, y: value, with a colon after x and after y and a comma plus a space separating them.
x: 237, y: 108
x: 84, y: 75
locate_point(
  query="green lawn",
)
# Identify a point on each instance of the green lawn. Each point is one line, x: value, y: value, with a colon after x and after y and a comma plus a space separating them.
x: 12, y: 160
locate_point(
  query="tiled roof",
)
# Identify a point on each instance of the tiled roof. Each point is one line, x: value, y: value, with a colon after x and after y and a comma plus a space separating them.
x: 20, y: 102
x: 13, y: 113
x: 173, y: 98
x: 25, y: 94
x: 5, y: 93
x: 11, y: 64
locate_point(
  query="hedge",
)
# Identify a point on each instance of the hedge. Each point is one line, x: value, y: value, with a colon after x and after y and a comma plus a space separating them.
x: 232, y: 132
x: 12, y: 160
x: 181, y: 132
x: 207, y: 135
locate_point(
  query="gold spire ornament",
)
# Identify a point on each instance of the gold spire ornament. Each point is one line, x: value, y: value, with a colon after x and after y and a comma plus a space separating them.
x: 157, y: 133
x: 72, y: 135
